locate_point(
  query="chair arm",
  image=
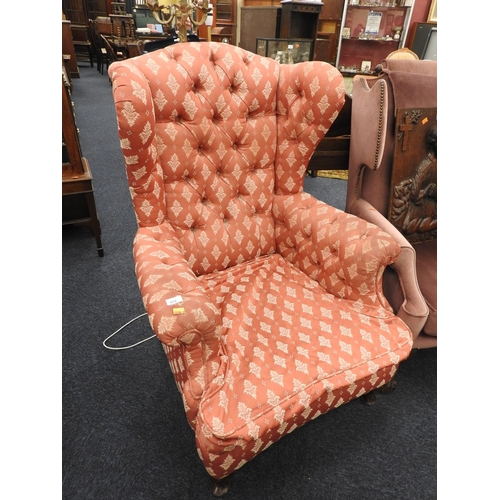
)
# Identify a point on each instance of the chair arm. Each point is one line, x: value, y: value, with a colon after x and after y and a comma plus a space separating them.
x: 414, y: 310
x: 188, y: 328
x: 343, y: 253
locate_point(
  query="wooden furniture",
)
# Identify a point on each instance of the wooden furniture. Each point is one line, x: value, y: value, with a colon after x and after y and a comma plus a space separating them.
x: 98, y: 47
x: 262, y: 21
x: 327, y: 40
x: 103, y: 25
x: 225, y: 12
x: 289, y: 20
x: 122, y: 29
x: 78, y: 203
x: 79, y: 11
x: 68, y: 49
x: 299, y: 19
x: 81, y: 41
x: 404, y: 53
x: 368, y: 34
x: 118, y: 8
x: 332, y: 152
x: 65, y: 64
x: 325, y: 47
x: 222, y: 34
x: 286, y: 50
x: 113, y: 54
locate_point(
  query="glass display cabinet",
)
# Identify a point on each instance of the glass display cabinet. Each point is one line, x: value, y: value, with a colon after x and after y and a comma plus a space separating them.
x: 286, y: 50
x: 370, y: 30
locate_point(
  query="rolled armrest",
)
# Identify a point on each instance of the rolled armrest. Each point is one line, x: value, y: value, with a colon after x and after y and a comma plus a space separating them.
x: 180, y: 312
x: 344, y: 253
x: 414, y: 310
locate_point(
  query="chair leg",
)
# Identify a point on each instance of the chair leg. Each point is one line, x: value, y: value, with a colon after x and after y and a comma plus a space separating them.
x: 370, y: 397
x: 388, y: 388
x: 91, y: 56
x: 220, y: 486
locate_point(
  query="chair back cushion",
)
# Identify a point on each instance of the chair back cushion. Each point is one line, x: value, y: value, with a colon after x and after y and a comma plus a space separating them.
x: 210, y: 133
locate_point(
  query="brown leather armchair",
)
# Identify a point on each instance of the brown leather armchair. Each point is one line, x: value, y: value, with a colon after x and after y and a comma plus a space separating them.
x: 393, y: 181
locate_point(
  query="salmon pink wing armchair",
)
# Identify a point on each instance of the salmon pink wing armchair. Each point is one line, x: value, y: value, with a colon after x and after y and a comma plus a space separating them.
x: 267, y: 302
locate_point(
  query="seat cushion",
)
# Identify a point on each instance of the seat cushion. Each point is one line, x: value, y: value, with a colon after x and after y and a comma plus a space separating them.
x: 292, y: 351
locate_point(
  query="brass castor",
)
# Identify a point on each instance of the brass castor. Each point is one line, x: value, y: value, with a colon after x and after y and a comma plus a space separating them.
x: 220, y: 486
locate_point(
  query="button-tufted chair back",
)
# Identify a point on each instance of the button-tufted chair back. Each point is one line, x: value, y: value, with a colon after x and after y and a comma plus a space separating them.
x: 223, y: 131
x: 267, y: 302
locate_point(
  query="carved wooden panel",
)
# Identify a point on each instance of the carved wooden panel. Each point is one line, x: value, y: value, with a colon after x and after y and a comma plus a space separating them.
x: 413, y: 203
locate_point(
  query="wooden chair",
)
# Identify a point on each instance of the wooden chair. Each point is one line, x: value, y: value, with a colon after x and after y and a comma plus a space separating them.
x: 81, y: 42
x: 118, y: 8
x: 98, y: 47
x: 404, y: 53
x: 111, y: 53
x: 103, y: 25
x: 122, y: 29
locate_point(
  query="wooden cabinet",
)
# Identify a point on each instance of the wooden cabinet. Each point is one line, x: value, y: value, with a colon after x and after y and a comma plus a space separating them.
x: 68, y: 49
x: 369, y: 33
x: 285, y: 50
x: 332, y: 10
x: 327, y: 39
x: 259, y: 21
x: 288, y: 20
x: 78, y: 203
x: 80, y: 11
x: 299, y: 19
x: 225, y: 22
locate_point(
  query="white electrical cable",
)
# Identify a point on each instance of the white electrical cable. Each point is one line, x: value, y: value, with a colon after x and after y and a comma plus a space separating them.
x: 121, y: 328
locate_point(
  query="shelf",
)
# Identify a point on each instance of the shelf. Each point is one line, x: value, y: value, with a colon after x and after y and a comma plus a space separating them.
x: 383, y: 40
x: 367, y: 33
x: 345, y: 72
x: 379, y: 7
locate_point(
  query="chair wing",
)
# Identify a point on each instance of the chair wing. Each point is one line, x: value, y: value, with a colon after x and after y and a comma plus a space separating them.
x: 268, y: 302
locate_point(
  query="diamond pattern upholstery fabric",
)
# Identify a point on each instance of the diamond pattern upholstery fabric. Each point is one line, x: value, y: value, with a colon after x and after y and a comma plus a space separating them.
x: 279, y: 313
